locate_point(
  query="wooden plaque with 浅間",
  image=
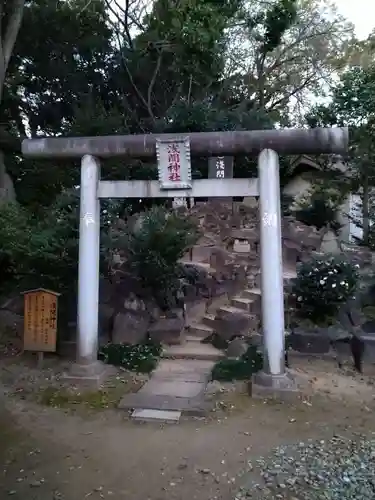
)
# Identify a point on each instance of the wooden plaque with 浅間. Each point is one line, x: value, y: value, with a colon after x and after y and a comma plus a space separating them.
x: 40, y: 320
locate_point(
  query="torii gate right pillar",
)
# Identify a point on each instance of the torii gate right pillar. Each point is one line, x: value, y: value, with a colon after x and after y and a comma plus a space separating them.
x: 273, y: 378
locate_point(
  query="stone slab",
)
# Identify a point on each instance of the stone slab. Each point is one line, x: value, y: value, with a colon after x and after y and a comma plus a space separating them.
x: 159, y: 416
x: 177, y: 388
x: 193, y: 350
x: 181, y: 376
x: 183, y: 370
x: 194, y: 406
x: 184, y: 366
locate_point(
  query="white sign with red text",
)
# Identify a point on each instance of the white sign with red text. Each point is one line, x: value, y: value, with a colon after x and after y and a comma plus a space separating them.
x: 174, y: 163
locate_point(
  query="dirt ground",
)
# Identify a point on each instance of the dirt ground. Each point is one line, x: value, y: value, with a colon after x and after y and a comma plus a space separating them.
x: 54, y: 453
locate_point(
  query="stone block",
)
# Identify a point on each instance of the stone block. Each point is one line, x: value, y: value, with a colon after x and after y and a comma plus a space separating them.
x: 241, y: 246
x: 280, y: 387
x: 290, y: 255
x: 220, y: 259
x: 158, y: 416
x: 89, y: 376
x: 167, y: 330
x: 232, y: 324
x: 309, y: 342
x: 236, y: 348
x: 130, y: 327
x: 369, y: 353
x: 243, y: 234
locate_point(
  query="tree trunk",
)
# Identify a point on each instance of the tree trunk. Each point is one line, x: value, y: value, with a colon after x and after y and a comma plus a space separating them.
x: 7, y: 192
x: 8, y: 36
x: 365, y: 210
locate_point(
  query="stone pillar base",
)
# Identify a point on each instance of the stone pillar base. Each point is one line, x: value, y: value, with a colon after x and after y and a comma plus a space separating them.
x: 266, y: 386
x: 91, y: 375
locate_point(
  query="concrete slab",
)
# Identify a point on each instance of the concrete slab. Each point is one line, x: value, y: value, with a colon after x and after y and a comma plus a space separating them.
x: 193, y: 350
x: 159, y: 416
x: 177, y: 388
x: 181, y: 376
x: 184, y: 366
x: 183, y: 370
x: 189, y: 406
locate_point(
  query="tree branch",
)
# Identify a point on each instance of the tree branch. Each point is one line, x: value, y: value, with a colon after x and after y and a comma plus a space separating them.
x: 133, y: 84
x: 152, y: 83
x: 12, y: 30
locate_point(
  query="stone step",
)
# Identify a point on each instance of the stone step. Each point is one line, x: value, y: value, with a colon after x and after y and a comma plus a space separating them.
x: 252, y: 293
x: 199, y: 265
x: 192, y: 338
x: 209, y: 320
x: 224, y: 310
x: 193, y: 350
x: 200, y: 330
x: 245, y: 304
x: 288, y: 276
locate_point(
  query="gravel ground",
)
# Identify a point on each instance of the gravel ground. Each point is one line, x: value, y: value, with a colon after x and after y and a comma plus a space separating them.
x: 334, y: 469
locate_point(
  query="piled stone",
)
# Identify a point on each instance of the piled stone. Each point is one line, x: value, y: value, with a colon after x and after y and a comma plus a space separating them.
x: 299, y: 240
x: 228, y: 241
x: 224, y: 261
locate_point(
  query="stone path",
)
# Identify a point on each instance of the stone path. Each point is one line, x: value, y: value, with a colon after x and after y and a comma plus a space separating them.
x: 176, y: 386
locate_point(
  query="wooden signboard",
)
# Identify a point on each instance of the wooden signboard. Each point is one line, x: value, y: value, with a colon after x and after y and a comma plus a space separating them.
x: 220, y: 167
x: 40, y: 320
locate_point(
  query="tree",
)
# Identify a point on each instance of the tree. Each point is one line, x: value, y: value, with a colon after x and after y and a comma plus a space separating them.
x: 177, y: 53
x: 52, y: 73
x: 303, y: 64
x: 11, y: 13
x: 353, y: 105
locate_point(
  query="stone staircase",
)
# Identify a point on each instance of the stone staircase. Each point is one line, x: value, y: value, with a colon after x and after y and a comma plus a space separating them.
x: 246, y: 304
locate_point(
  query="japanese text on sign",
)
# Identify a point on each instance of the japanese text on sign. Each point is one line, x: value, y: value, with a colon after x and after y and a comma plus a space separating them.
x: 220, y: 168
x: 174, y: 163
x: 40, y: 320
x: 270, y: 219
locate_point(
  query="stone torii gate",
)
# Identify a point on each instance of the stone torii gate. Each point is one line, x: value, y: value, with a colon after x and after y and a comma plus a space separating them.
x: 267, y: 144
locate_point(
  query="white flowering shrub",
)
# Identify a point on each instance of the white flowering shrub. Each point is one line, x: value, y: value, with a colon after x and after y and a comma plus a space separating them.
x: 322, y: 284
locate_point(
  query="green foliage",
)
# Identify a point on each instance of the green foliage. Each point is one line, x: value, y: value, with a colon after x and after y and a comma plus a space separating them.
x: 242, y: 368
x: 42, y: 250
x: 322, y: 286
x: 276, y: 21
x: 319, y: 213
x: 353, y: 105
x: 353, y: 100
x: 141, y: 358
x: 39, y: 251
x: 152, y: 250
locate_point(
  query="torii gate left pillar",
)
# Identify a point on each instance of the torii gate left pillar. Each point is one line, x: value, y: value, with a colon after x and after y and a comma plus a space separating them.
x: 267, y: 144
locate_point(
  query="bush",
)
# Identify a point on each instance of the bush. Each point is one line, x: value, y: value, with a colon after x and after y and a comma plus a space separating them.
x: 38, y: 251
x: 242, y: 368
x: 319, y: 213
x: 322, y: 285
x: 42, y: 250
x: 152, y: 250
x: 141, y: 358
